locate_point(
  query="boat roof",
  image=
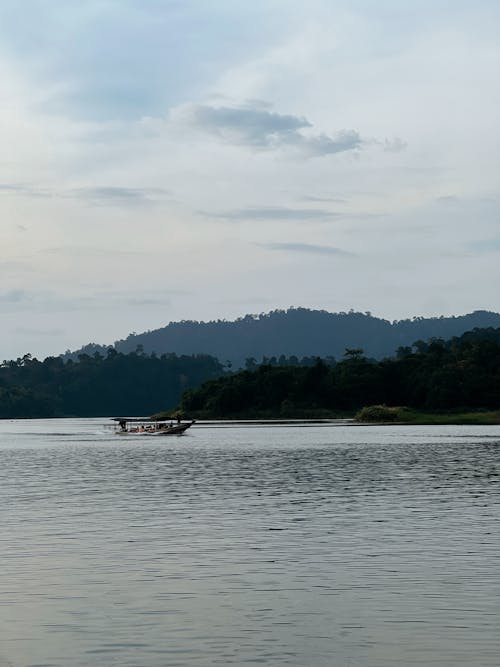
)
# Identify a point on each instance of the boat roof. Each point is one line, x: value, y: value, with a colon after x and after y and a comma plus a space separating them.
x: 141, y: 420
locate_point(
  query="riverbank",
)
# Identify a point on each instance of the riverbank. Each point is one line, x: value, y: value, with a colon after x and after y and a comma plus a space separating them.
x: 377, y: 414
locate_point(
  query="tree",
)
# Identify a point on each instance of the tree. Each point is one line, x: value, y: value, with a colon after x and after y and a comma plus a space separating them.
x: 354, y: 353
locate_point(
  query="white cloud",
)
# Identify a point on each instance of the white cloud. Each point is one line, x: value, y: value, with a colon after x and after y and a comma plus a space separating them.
x: 276, y: 213
x: 309, y: 249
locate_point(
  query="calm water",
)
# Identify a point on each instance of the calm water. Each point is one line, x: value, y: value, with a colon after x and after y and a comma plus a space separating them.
x: 343, y: 546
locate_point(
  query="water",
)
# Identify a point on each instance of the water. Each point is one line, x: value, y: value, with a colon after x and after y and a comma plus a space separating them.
x: 344, y: 546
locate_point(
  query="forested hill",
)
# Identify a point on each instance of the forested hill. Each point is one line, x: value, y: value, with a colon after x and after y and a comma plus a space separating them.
x: 299, y: 332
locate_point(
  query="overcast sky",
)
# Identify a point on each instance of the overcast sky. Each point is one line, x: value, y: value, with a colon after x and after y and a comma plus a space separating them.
x: 202, y: 159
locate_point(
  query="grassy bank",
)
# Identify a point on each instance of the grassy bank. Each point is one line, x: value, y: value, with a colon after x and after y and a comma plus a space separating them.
x: 376, y: 414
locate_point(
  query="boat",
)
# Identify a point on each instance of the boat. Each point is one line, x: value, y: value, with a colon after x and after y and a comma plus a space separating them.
x: 148, y: 426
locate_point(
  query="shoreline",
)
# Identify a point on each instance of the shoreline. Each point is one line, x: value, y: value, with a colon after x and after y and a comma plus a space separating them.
x: 490, y: 418
x: 403, y: 417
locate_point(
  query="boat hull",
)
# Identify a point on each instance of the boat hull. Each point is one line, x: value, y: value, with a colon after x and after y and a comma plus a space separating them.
x: 175, y: 429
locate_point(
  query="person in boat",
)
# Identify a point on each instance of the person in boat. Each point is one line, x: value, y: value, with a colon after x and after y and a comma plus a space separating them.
x: 123, y: 425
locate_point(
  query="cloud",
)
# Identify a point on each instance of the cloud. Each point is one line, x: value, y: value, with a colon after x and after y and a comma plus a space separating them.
x: 15, y: 265
x: 91, y: 251
x: 335, y: 200
x: 280, y: 213
x: 12, y: 187
x: 308, y: 248
x: 250, y: 126
x: 14, y: 296
x: 154, y: 297
x: 448, y: 200
x: 485, y: 246
x: 112, y: 195
x: 24, y: 190
x: 395, y: 145
x: 56, y: 301
x: 345, y: 140
x: 259, y: 128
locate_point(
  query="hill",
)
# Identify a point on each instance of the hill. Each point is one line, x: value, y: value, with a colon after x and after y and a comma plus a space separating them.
x: 297, y: 332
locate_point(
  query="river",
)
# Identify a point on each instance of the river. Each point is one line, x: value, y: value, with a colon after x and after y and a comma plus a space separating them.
x: 348, y: 546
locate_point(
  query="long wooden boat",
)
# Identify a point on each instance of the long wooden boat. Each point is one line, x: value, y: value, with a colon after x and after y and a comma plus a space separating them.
x: 147, y: 426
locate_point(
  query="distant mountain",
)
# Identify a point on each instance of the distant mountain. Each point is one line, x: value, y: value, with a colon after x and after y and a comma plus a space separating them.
x: 297, y: 331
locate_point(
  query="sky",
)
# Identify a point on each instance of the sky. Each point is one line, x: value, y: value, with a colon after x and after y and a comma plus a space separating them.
x: 165, y: 160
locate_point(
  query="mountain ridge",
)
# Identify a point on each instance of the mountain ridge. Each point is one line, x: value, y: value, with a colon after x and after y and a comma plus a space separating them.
x: 299, y: 332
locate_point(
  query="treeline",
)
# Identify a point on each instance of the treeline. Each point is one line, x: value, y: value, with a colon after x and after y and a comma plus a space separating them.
x: 114, y: 384
x: 463, y: 372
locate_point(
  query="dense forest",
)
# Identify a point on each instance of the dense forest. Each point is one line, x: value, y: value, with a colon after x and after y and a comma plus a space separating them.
x: 296, y: 331
x: 463, y: 372
x: 115, y: 384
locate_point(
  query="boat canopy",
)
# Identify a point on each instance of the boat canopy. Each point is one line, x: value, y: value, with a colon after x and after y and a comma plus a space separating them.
x: 141, y: 420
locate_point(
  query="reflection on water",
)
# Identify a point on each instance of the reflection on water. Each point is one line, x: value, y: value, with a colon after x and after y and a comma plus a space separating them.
x: 349, y: 546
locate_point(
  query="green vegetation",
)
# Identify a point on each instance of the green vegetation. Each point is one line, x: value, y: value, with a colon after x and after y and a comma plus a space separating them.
x: 460, y: 376
x: 479, y: 417
x: 379, y: 413
x: 382, y: 414
x: 115, y: 384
